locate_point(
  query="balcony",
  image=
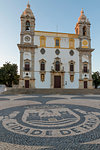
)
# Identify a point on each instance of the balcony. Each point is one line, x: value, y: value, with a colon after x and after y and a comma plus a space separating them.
x: 27, y: 69
x: 85, y: 71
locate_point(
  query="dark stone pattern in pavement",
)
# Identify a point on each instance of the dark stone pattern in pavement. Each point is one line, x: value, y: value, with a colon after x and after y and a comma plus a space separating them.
x: 72, y: 142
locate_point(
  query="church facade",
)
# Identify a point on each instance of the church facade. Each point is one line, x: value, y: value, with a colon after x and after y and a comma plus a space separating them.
x: 53, y: 59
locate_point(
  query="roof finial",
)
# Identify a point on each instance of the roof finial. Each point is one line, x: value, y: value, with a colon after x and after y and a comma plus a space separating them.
x: 82, y: 11
x: 28, y: 5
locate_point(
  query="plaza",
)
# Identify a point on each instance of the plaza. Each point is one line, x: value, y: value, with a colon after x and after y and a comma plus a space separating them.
x: 49, y: 122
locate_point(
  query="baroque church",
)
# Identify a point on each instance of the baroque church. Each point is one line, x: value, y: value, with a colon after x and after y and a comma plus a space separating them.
x: 53, y: 59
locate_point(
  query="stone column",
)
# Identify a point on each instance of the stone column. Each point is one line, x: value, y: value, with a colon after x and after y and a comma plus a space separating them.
x: 80, y: 71
x: 32, y: 81
x: 90, y: 73
x: 90, y: 67
x: 32, y: 65
x: 52, y: 80
x: 21, y: 65
x: 80, y: 65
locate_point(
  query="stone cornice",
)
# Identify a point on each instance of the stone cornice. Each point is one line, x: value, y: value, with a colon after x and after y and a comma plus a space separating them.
x: 85, y: 49
x: 20, y: 46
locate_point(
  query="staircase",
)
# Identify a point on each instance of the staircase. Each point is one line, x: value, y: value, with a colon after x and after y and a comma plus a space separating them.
x: 52, y: 91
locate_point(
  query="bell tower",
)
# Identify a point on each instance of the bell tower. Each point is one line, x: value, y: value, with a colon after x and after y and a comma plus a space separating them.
x: 27, y: 26
x: 83, y: 26
x: 82, y: 29
x: 27, y: 49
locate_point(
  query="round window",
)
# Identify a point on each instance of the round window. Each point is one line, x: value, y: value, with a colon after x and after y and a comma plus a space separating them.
x: 42, y: 51
x: 71, y: 52
x: 57, y: 51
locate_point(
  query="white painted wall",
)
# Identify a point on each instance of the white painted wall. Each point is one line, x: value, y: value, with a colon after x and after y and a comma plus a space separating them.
x: 50, y: 42
x: 85, y: 58
x: 71, y: 85
x: 27, y: 55
x: 50, y: 56
x: 39, y: 84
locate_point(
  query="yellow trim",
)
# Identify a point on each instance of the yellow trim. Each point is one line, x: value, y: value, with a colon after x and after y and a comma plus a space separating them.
x: 55, y: 34
x: 71, y: 43
x: 85, y: 47
x: 56, y: 47
x: 57, y: 38
x: 42, y: 41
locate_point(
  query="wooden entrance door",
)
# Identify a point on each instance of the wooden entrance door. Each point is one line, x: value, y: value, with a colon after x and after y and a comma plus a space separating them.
x: 57, y: 81
x: 85, y: 84
x: 26, y: 83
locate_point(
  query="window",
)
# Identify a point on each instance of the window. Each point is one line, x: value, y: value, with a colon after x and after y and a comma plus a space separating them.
x: 84, y: 31
x: 42, y: 51
x: 27, y: 66
x: 71, y: 43
x: 71, y: 67
x: 57, y: 42
x: 42, y: 67
x: 57, y: 52
x: 57, y: 66
x: 42, y: 41
x: 71, y: 78
x: 42, y: 77
x: 27, y: 25
x: 85, y: 68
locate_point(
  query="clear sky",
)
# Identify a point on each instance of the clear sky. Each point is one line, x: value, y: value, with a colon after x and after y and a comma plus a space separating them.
x: 49, y: 14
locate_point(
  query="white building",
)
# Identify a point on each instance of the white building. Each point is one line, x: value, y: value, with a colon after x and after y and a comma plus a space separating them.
x: 52, y: 59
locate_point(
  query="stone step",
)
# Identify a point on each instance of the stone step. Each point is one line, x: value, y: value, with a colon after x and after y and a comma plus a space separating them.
x: 52, y: 91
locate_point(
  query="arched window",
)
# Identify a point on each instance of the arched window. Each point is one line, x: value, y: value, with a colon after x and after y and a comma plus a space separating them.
x: 27, y: 25
x: 57, y: 66
x: 42, y: 66
x: 84, y: 31
x: 77, y: 31
x: 85, y: 68
x: 71, y: 67
x: 27, y: 66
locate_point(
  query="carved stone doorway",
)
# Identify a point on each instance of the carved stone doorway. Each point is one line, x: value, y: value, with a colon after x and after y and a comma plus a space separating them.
x: 26, y: 83
x: 57, y: 81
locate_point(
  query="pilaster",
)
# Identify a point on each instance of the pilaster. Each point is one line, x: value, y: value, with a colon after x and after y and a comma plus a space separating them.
x: 21, y: 65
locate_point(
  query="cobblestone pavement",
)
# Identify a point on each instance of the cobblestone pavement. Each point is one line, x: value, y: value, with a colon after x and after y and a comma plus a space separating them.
x: 50, y: 122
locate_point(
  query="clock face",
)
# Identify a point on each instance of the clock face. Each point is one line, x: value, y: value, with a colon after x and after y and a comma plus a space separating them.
x: 27, y: 39
x: 84, y: 44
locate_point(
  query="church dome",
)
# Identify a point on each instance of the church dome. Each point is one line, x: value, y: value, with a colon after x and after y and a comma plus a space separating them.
x: 28, y: 12
x: 83, y: 18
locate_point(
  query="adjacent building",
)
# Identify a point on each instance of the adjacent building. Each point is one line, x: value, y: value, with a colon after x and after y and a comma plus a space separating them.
x: 53, y: 59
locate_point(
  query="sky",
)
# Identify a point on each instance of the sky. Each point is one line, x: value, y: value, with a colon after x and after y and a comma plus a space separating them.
x: 51, y: 15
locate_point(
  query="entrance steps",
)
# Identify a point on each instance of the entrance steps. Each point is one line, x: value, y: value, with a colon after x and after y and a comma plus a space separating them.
x: 52, y: 91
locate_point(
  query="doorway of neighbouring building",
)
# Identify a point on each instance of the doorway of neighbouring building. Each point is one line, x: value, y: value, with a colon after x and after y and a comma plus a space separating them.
x: 57, y: 81
x: 85, y: 84
x: 26, y: 83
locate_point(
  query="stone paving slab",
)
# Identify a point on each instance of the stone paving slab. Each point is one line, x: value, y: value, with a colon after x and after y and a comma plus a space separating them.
x: 50, y: 122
